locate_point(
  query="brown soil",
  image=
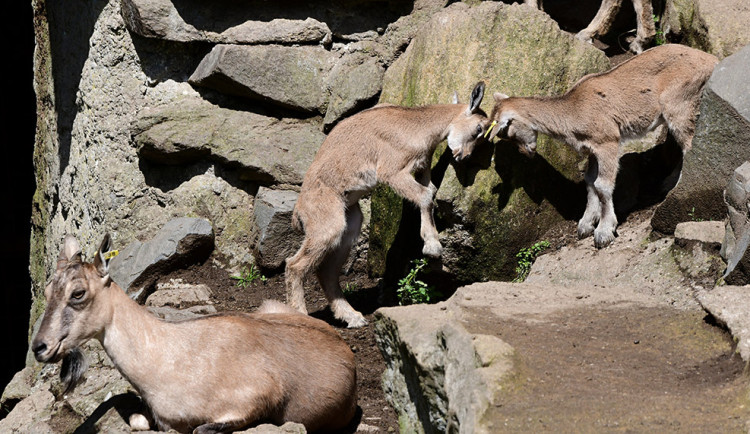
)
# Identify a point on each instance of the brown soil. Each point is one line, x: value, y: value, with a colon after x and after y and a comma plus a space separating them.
x: 228, y: 296
x: 626, y: 369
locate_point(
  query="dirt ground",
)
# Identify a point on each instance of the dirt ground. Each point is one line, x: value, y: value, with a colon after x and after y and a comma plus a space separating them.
x: 375, y: 413
x: 624, y: 369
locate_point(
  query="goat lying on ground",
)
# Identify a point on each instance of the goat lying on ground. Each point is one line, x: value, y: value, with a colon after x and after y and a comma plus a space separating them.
x: 218, y: 373
x: 605, y: 16
x: 662, y: 85
x: 388, y: 144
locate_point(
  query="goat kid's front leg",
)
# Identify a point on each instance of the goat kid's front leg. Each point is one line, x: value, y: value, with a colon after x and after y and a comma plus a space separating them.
x: 608, y: 163
x: 427, y: 230
x: 593, y: 212
x: 646, y: 30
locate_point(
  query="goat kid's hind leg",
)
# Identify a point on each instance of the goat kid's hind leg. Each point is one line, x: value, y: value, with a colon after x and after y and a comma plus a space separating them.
x: 608, y: 162
x: 593, y: 212
x: 320, y: 237
x: 330, y: 270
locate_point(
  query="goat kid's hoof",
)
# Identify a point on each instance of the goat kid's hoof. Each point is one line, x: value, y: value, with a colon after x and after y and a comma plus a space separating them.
x: 603, y: 238
x: 432, y: 249
x: 585, y: 230
x: 138, y: 422
x: 356, y: 321
x: 585, y: 37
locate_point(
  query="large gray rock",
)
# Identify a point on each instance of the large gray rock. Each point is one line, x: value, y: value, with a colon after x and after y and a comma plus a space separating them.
x: 291, y: 77
x: 498, y: 201
x: 182, y: 241
x: 720, y: 145
x: 438, y: 376
x: 353, y: 82
x: 161, y: 19
x: 715, y: 26
x: 263, y: 149
x: 735, y: 247
x: 277, y: 240
x: 730, y: 305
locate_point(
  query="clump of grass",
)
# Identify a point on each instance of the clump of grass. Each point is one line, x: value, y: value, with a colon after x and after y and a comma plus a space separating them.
x: 411, y: 290
x: 659, y: 38
x: 248, y: 275
x: 526, y: 257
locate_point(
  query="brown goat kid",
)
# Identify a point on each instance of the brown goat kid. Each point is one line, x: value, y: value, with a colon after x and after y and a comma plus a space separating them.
x: 387, y: 144
x: 661, y: 86
x: 214, y: 374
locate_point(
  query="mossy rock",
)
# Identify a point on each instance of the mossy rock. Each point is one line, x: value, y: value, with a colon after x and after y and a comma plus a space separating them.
x: 498, y: 201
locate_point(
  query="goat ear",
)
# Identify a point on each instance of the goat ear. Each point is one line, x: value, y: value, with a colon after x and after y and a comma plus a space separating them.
x: 499, y: 96
x: 101, y: 260
x: 454, y: 99
x: 70, y: 252
x: 476, y: 97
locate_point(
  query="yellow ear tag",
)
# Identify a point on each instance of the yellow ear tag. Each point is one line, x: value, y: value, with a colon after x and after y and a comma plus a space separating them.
x: 111, y: 254
x: 492, y: 125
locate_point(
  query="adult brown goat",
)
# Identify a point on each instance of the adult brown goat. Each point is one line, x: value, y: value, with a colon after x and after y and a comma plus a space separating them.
x: 213, y: 374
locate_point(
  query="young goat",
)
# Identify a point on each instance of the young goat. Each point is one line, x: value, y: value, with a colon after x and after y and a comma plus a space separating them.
x: 661, y: 86
x: 218, y: 373
x: 388, y: 144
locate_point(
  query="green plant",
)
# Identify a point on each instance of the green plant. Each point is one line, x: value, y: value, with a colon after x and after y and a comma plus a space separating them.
x: 526, y: 257
x: 412, y: 290
x: 249, y: 275
x: 350, y: 288
x: 659, y: 38
x: 692, y: 216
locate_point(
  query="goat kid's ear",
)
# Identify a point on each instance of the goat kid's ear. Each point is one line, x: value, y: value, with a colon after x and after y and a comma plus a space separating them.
x: 476, y: 97
x: 500, y: 125
x: 103, y: 255
x: 70, y: 252
x: 499, y: 96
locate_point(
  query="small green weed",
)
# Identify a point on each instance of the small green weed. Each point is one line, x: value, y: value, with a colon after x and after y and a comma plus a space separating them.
x: 526, y: 257
x: 659, y: 38
x: 350, y: 288
x: 249, y: 275
x: 412, y: 290
x: 692, y: 216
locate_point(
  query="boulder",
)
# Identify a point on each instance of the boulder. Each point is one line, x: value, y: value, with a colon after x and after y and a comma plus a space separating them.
x: 182, y: 241
x: 497, y: 202
x: 290, y: 77
x: 438, y: 376
x: 354, y: 81
x: 161, y: 19
x: 718, y: 27
x: 277, y: 240
x: 709, y: 233
x: 720, y: 145
x: 263, y: 149
x: 734, y: 249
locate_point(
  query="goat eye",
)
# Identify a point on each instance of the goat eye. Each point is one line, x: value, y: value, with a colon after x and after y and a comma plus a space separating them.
x: 479, y: 130
x: 78, y: 294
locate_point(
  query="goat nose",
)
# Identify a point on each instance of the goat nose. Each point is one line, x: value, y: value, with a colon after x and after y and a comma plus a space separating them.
x: 38, y: 348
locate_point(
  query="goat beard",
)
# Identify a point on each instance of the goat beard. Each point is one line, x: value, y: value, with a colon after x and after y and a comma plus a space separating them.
x: 73, y: 366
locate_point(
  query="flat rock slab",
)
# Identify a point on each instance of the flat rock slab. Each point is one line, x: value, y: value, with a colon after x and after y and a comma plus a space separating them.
x: 261, y: 148
x: 162, y: 20
x: 730, y: 305
x: 710, y: 233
